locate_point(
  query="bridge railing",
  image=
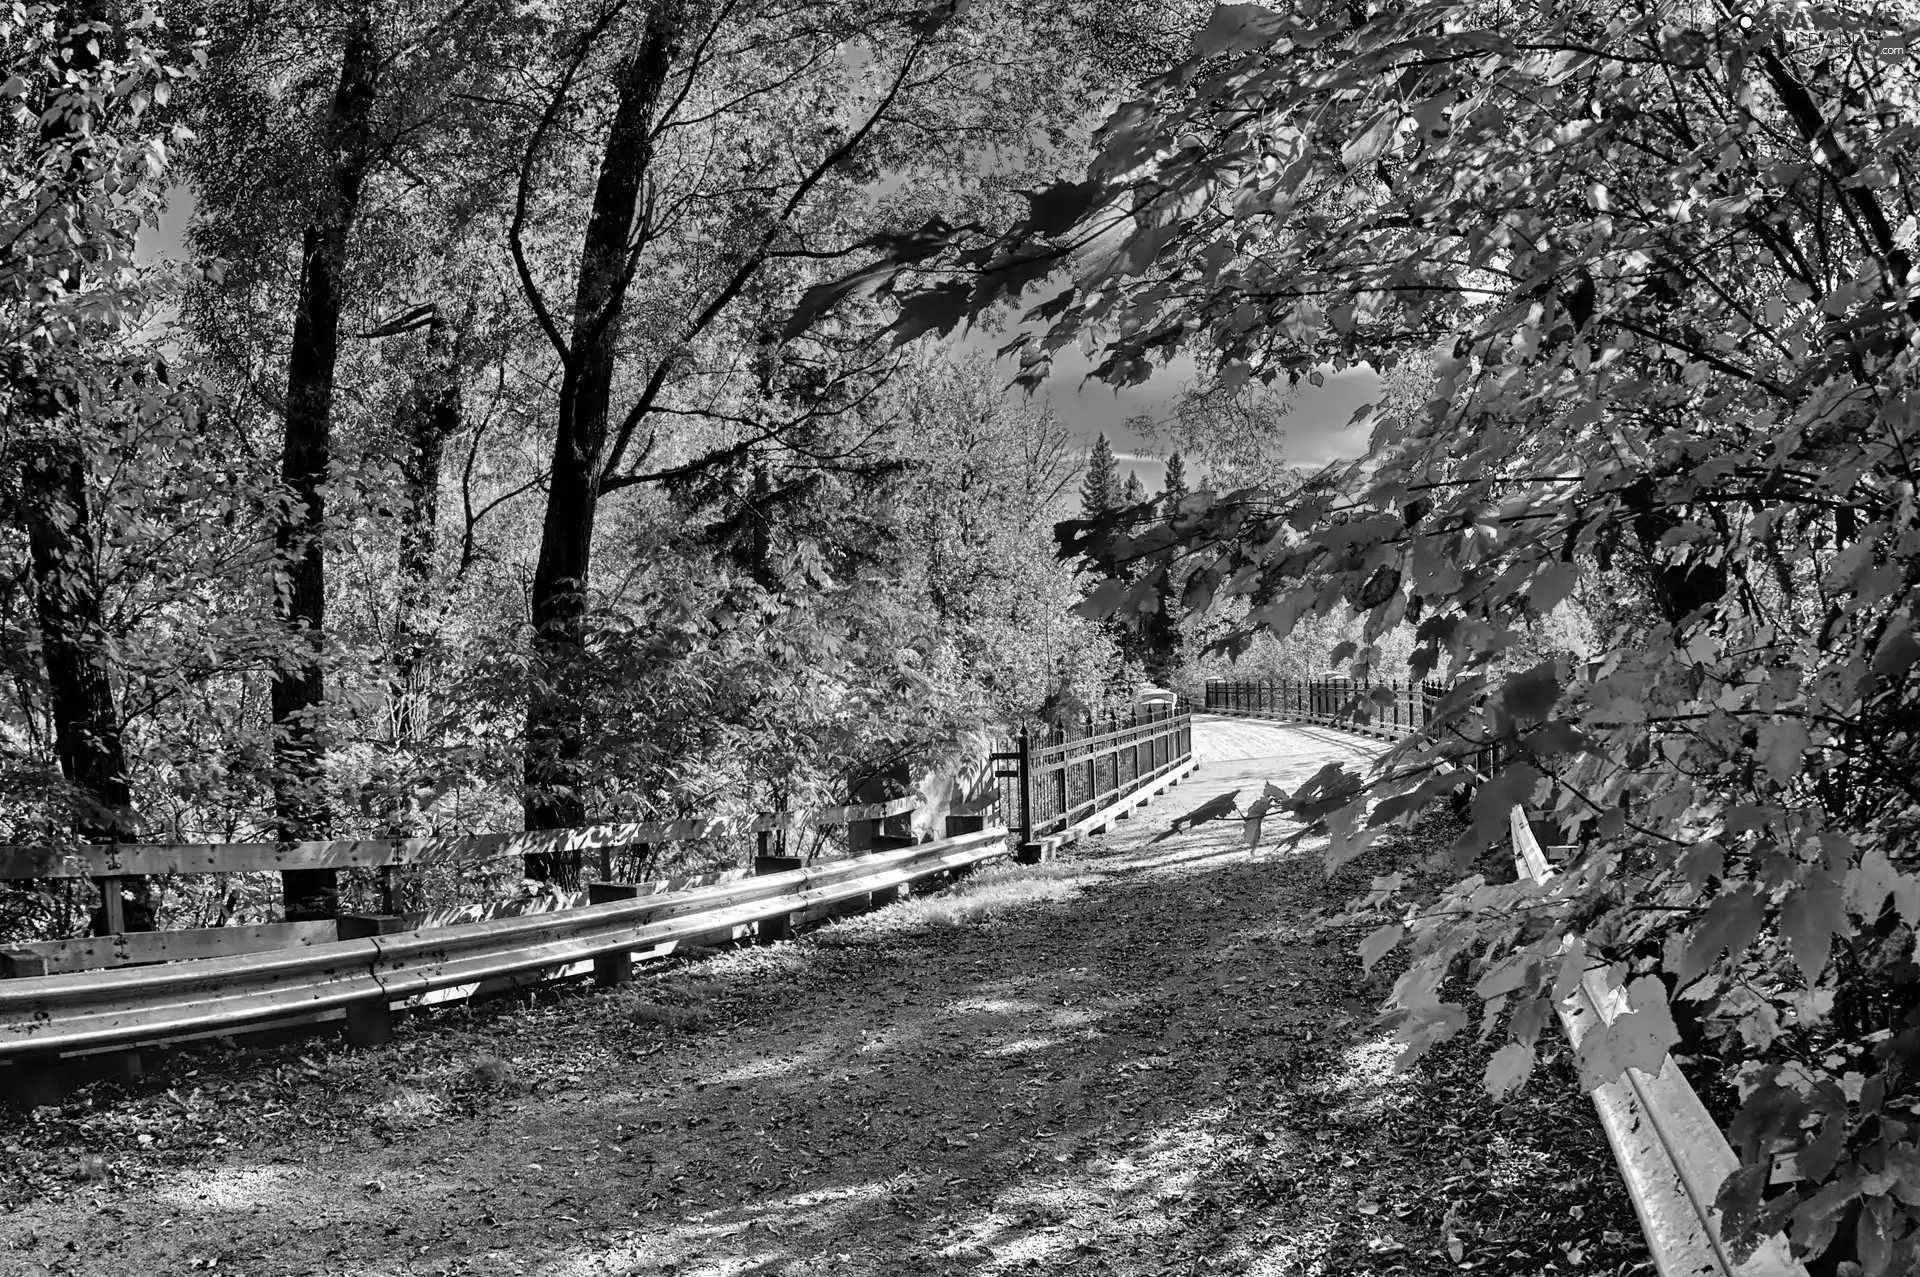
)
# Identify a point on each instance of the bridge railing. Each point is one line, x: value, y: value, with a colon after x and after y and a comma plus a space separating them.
x: 1383, y: 708
x: 1051, y: 790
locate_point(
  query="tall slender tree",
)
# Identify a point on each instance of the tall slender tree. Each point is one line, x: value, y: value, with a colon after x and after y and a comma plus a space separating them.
x: 1175, y: 487
x: 299, y: 692
x: 83, y: 162
x: 1100, y: 488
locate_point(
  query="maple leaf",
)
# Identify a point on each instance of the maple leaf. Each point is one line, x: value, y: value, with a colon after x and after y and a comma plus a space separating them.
x: 1508, y: 1069
x: 1380, y: 943
x: 1783, y: 743
x: 1729, y: 925
x: 1813, y: 914
x: 1638, y: 1038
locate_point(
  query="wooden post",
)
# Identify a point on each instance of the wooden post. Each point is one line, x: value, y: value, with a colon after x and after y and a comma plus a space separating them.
x: 35, y: 1080
x: 370, y: 1020
x: 864, y: 837
x: 779, y: 927
x: 610, y: 969
x: 18, y: 963
x: 113, y: 908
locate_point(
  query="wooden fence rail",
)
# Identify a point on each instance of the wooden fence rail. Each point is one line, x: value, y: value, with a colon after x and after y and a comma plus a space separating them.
x: 105, y: 863
x: 106, y: 860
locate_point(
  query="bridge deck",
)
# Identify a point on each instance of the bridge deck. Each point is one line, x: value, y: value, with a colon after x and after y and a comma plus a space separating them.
x: 1139, y: 1060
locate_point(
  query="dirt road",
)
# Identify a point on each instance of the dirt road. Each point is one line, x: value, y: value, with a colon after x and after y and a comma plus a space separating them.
x: 1144, y: 1059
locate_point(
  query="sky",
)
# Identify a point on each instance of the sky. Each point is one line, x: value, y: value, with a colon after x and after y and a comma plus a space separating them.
x: 1316, y: 431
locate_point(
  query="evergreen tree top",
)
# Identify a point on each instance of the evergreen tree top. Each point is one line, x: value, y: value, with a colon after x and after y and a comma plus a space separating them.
x: 1176, y: 483
x: 1100, y: 489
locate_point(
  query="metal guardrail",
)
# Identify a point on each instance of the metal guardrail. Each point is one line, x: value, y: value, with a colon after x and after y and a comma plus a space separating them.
x: 46, y: 1015
x: 1671, y: 1154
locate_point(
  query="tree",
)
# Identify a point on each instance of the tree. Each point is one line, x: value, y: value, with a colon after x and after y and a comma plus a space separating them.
x: 320, y: 126
x: 705, y: 256
x: 1661, y: 261
x: 1100, y: 486
x: 1174, y: 490
x: 89, y: 169
x: 1133, y: 492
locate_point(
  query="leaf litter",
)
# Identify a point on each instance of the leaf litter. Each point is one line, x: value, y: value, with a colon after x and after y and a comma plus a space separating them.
x: 1151, y: 1057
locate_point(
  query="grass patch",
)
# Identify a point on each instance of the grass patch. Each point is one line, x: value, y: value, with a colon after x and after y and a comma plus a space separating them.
x: 998, y: 889
x: 676, y: 1004
x: 490, y: 1073
x: 647, y: 1014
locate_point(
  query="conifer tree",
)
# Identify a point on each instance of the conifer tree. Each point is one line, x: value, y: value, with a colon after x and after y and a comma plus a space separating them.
x: 1135, y: 492
x: 1175, y: 487
x: 1100, y: 489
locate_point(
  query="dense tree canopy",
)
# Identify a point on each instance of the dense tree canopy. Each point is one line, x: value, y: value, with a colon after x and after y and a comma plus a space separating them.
x: 1649, y: 270
x: 461, y: 476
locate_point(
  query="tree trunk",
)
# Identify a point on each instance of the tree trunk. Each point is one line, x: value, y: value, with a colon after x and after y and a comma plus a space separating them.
x: 555, y: 728
x: 430, y: 415
x: 86, y: 723
x: 299, y: 691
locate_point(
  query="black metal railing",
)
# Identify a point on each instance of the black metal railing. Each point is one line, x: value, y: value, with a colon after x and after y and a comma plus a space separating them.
x: 1049, y: 781
x: 1385, y: 708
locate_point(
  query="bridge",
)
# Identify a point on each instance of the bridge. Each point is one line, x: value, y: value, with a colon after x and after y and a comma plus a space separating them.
x: 1141, y: 1052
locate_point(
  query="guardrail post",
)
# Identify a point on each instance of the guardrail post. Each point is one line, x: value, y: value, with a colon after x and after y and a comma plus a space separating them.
x: 370, y: 1020
x: 610, y: 969
x: 864, y: 837
x: 113, y: 909
x: 17, y: 963
x: 34, y: 1080
x: 779, y: 927
x: 959, y: 826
